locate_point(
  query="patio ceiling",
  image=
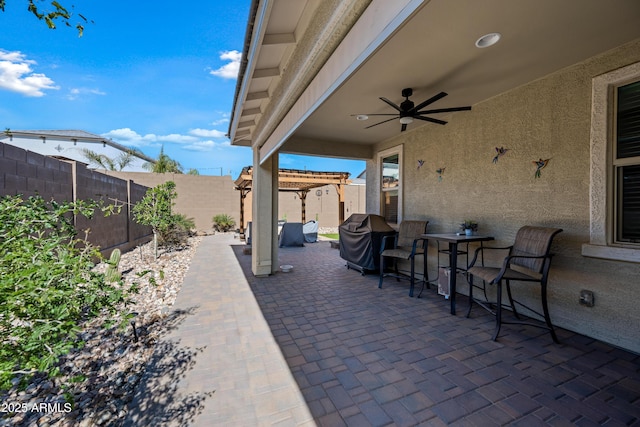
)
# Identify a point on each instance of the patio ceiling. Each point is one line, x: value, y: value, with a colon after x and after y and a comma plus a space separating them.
x: 432, y: 50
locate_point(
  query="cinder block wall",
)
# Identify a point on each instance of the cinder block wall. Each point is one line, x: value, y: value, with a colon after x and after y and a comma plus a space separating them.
x: 110, y: 231
x: 29, y: 174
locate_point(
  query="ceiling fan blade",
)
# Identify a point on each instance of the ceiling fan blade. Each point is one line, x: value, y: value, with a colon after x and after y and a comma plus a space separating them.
x: 429, y: 119
x: 429, y: 101
x: 444, y: 110
x: 404, y: 127
x: 379, y: 123
x: 390, y: 103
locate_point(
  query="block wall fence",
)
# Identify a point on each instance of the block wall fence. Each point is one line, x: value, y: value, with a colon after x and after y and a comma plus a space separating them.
x: 28, y: 174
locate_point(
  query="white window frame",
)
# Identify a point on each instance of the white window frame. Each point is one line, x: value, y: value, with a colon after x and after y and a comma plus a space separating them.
x: 601, y: 232
x: 381, y: 155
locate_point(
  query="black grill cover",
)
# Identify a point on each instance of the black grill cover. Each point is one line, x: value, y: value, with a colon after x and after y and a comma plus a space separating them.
x: 360, y: 240
x: 291, y: 234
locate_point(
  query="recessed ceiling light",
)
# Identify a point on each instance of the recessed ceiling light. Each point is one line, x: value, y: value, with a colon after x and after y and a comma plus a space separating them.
x: 488, y: 40
x: 362, y: 117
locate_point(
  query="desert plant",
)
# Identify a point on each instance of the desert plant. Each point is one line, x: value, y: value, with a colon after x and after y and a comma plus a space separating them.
x: 48, y: 287
x: 112, y: 274
x: 177, y: 233
x: 223, y: 222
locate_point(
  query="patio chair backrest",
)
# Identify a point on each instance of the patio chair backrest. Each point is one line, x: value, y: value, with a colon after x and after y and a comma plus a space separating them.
x: 533, y: 241
x: 411, y: 230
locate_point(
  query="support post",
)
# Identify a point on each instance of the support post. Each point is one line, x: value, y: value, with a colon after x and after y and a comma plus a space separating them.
x: 243, y: 195
x: 340, y: 190
x: 303, y: 203
x: 264, y: 254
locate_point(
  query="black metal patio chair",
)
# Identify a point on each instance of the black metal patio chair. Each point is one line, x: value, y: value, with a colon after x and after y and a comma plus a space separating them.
x: 407, y: 244
x: 528, y: 260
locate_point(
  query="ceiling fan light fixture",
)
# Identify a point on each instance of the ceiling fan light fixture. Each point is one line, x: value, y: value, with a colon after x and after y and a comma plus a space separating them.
x: 406, y: 120
x: 362, y: 117
x: 488, y: 40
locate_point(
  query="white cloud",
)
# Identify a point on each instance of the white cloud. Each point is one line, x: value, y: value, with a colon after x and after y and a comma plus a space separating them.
x: 193, y: 142
x: 208, y: 133
x: 130, y: 137
x: 177, y: 138
x: 230, y: 70
x: 222, y: 120
x: 75, y: 93
x: 201, y: 146
x: 16, y: 75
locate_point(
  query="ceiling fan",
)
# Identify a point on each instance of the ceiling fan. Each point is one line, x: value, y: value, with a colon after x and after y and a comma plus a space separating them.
x: 407, y: 111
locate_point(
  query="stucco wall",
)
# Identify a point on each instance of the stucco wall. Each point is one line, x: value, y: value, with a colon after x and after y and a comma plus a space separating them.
x: 200, y: 197
x: 323, y: 208
x: 550, y: 119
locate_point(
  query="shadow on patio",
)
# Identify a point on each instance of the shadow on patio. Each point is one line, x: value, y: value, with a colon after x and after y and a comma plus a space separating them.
x: 368, y: 356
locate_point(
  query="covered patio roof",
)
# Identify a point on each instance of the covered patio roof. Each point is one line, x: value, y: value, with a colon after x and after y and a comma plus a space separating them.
x: 298, y: 181
x: 369, y: 49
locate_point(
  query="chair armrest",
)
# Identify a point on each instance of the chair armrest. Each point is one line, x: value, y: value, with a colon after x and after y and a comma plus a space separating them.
x: 482, y: 249
x: 414, y: 247
x: 385, y: 245
x: 507, y: 263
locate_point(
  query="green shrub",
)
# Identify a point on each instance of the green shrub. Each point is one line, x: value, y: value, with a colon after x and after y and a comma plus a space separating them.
x: 178, y: 231
x: 47, y: 285
x: 223, y: 222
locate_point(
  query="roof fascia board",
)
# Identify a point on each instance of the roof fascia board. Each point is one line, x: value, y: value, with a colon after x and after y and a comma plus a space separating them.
x: 381, y: 19
x: 259, y: 29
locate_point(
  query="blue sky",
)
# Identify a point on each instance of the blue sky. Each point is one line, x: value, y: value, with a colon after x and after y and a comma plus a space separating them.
x: 145, y: 74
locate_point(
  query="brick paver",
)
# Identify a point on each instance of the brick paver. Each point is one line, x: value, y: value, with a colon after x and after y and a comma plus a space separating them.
x: 368, y: 356
x: 336, y: 350
x: 221, y: 345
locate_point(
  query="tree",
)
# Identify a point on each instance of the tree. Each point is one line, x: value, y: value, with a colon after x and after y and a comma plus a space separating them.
x: 59, y: 13
x: 154, y: 210
x: 164, y: 164
x: 106, y: 162
x: 193, y: 171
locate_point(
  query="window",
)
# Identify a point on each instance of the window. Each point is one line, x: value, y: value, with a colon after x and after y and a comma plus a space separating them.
x: 615, y: 166
x: 390, y: 166
x: 626, y: 164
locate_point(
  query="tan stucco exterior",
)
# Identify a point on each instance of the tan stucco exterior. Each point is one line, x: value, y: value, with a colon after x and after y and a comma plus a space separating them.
x: 199, y: 197
x: 551, y: 119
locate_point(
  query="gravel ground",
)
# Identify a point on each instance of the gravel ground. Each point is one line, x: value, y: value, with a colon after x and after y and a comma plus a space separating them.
x: 113, y: 360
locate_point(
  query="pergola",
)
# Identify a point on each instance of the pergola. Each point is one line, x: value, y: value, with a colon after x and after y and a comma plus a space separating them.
x: 299, y: 182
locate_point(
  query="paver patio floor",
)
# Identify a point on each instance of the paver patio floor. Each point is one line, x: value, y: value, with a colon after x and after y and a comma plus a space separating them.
x: 322, y: 344
x: 367, y: 356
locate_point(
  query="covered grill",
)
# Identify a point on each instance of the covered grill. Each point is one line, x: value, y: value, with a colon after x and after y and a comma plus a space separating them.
x: 360, y: 240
